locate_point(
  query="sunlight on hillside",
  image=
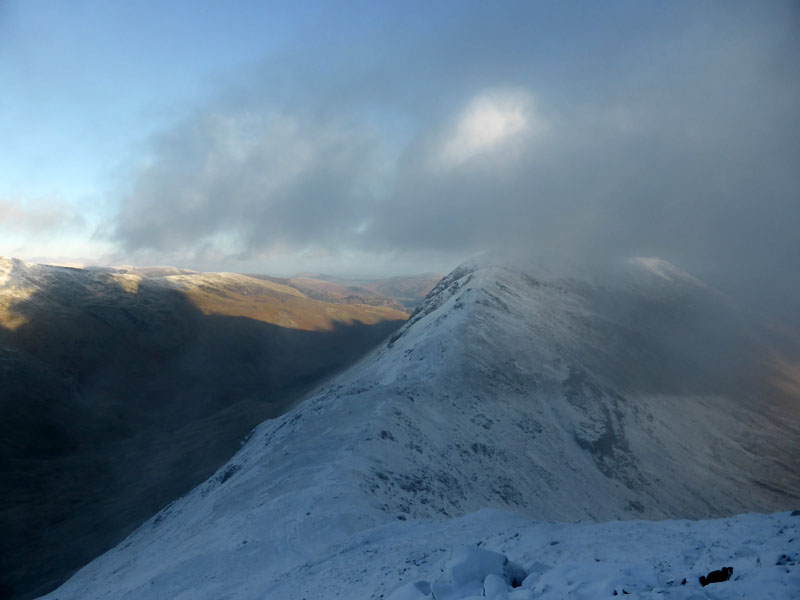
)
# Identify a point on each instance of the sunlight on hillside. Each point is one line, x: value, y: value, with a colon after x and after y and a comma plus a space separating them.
x: 12, y: 294
x: 294, y: 313
x: 129, y: 283
x: 240, y: 296
x: 10, y: 319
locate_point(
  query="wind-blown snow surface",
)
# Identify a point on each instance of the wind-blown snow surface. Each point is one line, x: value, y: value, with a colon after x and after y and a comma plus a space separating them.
x: 557, y: 399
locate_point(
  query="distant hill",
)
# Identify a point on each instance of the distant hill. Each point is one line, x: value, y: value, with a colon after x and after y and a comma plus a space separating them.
x: 407, y: 291
x: 122, y: 388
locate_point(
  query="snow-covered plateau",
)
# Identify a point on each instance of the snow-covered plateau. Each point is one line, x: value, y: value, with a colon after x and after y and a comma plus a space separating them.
x: 522, y: 436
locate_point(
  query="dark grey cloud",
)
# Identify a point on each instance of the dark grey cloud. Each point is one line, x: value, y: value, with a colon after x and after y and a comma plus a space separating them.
x: 254, y: 180
x: 567, y: 132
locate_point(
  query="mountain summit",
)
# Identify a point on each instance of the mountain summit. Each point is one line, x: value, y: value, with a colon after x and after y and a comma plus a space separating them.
x: 639, y: 393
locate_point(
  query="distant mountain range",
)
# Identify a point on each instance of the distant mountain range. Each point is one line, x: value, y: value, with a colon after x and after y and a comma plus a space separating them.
x: 409, y: 291
x: 122, y: 388
x: 636, y: 392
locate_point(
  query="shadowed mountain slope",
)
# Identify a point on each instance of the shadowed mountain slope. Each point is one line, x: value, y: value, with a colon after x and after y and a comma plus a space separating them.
x: 636, y: 393
x: 120, y: 391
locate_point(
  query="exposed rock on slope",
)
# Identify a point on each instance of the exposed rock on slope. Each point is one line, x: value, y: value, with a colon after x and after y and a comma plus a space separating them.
x: 641, y: 393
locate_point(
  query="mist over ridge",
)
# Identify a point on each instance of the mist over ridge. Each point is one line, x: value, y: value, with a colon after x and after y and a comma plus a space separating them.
x: 667, y: 132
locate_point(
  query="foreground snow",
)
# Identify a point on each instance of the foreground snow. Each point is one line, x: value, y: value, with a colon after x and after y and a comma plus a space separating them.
x: 482, y: 554
x: 641, y: 559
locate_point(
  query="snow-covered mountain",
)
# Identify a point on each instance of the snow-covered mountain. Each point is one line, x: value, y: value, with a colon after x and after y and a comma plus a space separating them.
x: 639, y: 393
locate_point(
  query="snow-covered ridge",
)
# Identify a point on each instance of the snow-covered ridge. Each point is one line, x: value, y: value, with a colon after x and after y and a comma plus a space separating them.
x: 504, y: 390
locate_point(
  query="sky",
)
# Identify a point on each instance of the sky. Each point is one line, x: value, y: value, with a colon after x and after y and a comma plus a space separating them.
x: 398, y: 137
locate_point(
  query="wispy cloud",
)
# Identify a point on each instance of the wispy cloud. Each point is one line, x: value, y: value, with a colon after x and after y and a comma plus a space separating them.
x: 244, y: 182
x: 39, y: 217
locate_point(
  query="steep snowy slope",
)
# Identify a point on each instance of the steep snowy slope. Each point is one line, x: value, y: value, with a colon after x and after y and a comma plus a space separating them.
x: 559, y: 399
